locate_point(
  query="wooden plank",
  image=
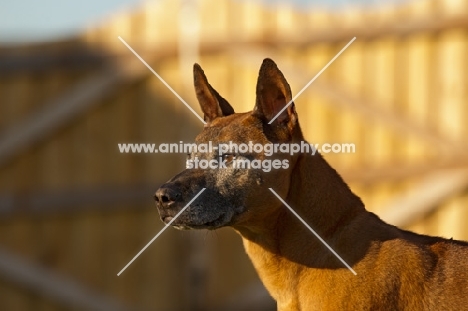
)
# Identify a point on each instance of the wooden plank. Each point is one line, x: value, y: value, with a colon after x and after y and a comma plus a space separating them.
x: 398, y: 171
x: 463, y: 201
x: 450, y: 218
x: 48, y: 284
x: 425, y: 197
x: 16, y: 236
x: 41, y: 61
x: 44, y: 170
x: 49, y: 241
x: 72, y: 200
x: 416, y: 92
x: 452, y: 48
x: 353, y: 128
x: 13, y: 298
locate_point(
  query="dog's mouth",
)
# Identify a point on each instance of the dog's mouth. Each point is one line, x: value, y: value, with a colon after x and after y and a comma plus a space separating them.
x: 185, y: 224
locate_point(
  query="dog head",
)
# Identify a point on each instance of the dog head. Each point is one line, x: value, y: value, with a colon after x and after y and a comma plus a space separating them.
x: 235, y: 194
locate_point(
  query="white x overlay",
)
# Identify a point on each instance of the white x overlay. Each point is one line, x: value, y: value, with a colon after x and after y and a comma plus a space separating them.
x: 162, y: 80
x: 162, y: 230
x: 199, y: 193
x: 313, y: 79
x: 315, y: 233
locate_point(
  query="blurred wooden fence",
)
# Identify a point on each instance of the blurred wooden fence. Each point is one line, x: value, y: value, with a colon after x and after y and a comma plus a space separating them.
x: 76, y: 210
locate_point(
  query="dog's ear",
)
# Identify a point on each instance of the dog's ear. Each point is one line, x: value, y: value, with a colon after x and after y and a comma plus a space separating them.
x: 273, y: 94
x: 211, y: 103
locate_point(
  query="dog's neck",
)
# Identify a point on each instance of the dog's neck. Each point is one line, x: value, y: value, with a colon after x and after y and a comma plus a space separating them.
x: 284, y: 245
x: 320, y: 196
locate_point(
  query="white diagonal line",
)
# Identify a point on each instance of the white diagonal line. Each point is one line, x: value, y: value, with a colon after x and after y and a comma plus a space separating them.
x: 162, y: 230
x: 162, y: 80
x: 312, y: 230
x: 313, y: 79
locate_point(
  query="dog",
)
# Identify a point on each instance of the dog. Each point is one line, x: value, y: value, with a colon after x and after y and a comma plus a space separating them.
x: 396, y: 269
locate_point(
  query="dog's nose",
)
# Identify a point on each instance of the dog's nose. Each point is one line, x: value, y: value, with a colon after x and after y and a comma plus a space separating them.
x: 166, y: 195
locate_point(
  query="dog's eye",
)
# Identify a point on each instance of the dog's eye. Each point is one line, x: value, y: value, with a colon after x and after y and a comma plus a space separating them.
x: 228, y: 157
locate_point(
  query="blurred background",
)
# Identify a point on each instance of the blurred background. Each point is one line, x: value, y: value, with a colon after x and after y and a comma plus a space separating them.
x: 74, y: 211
